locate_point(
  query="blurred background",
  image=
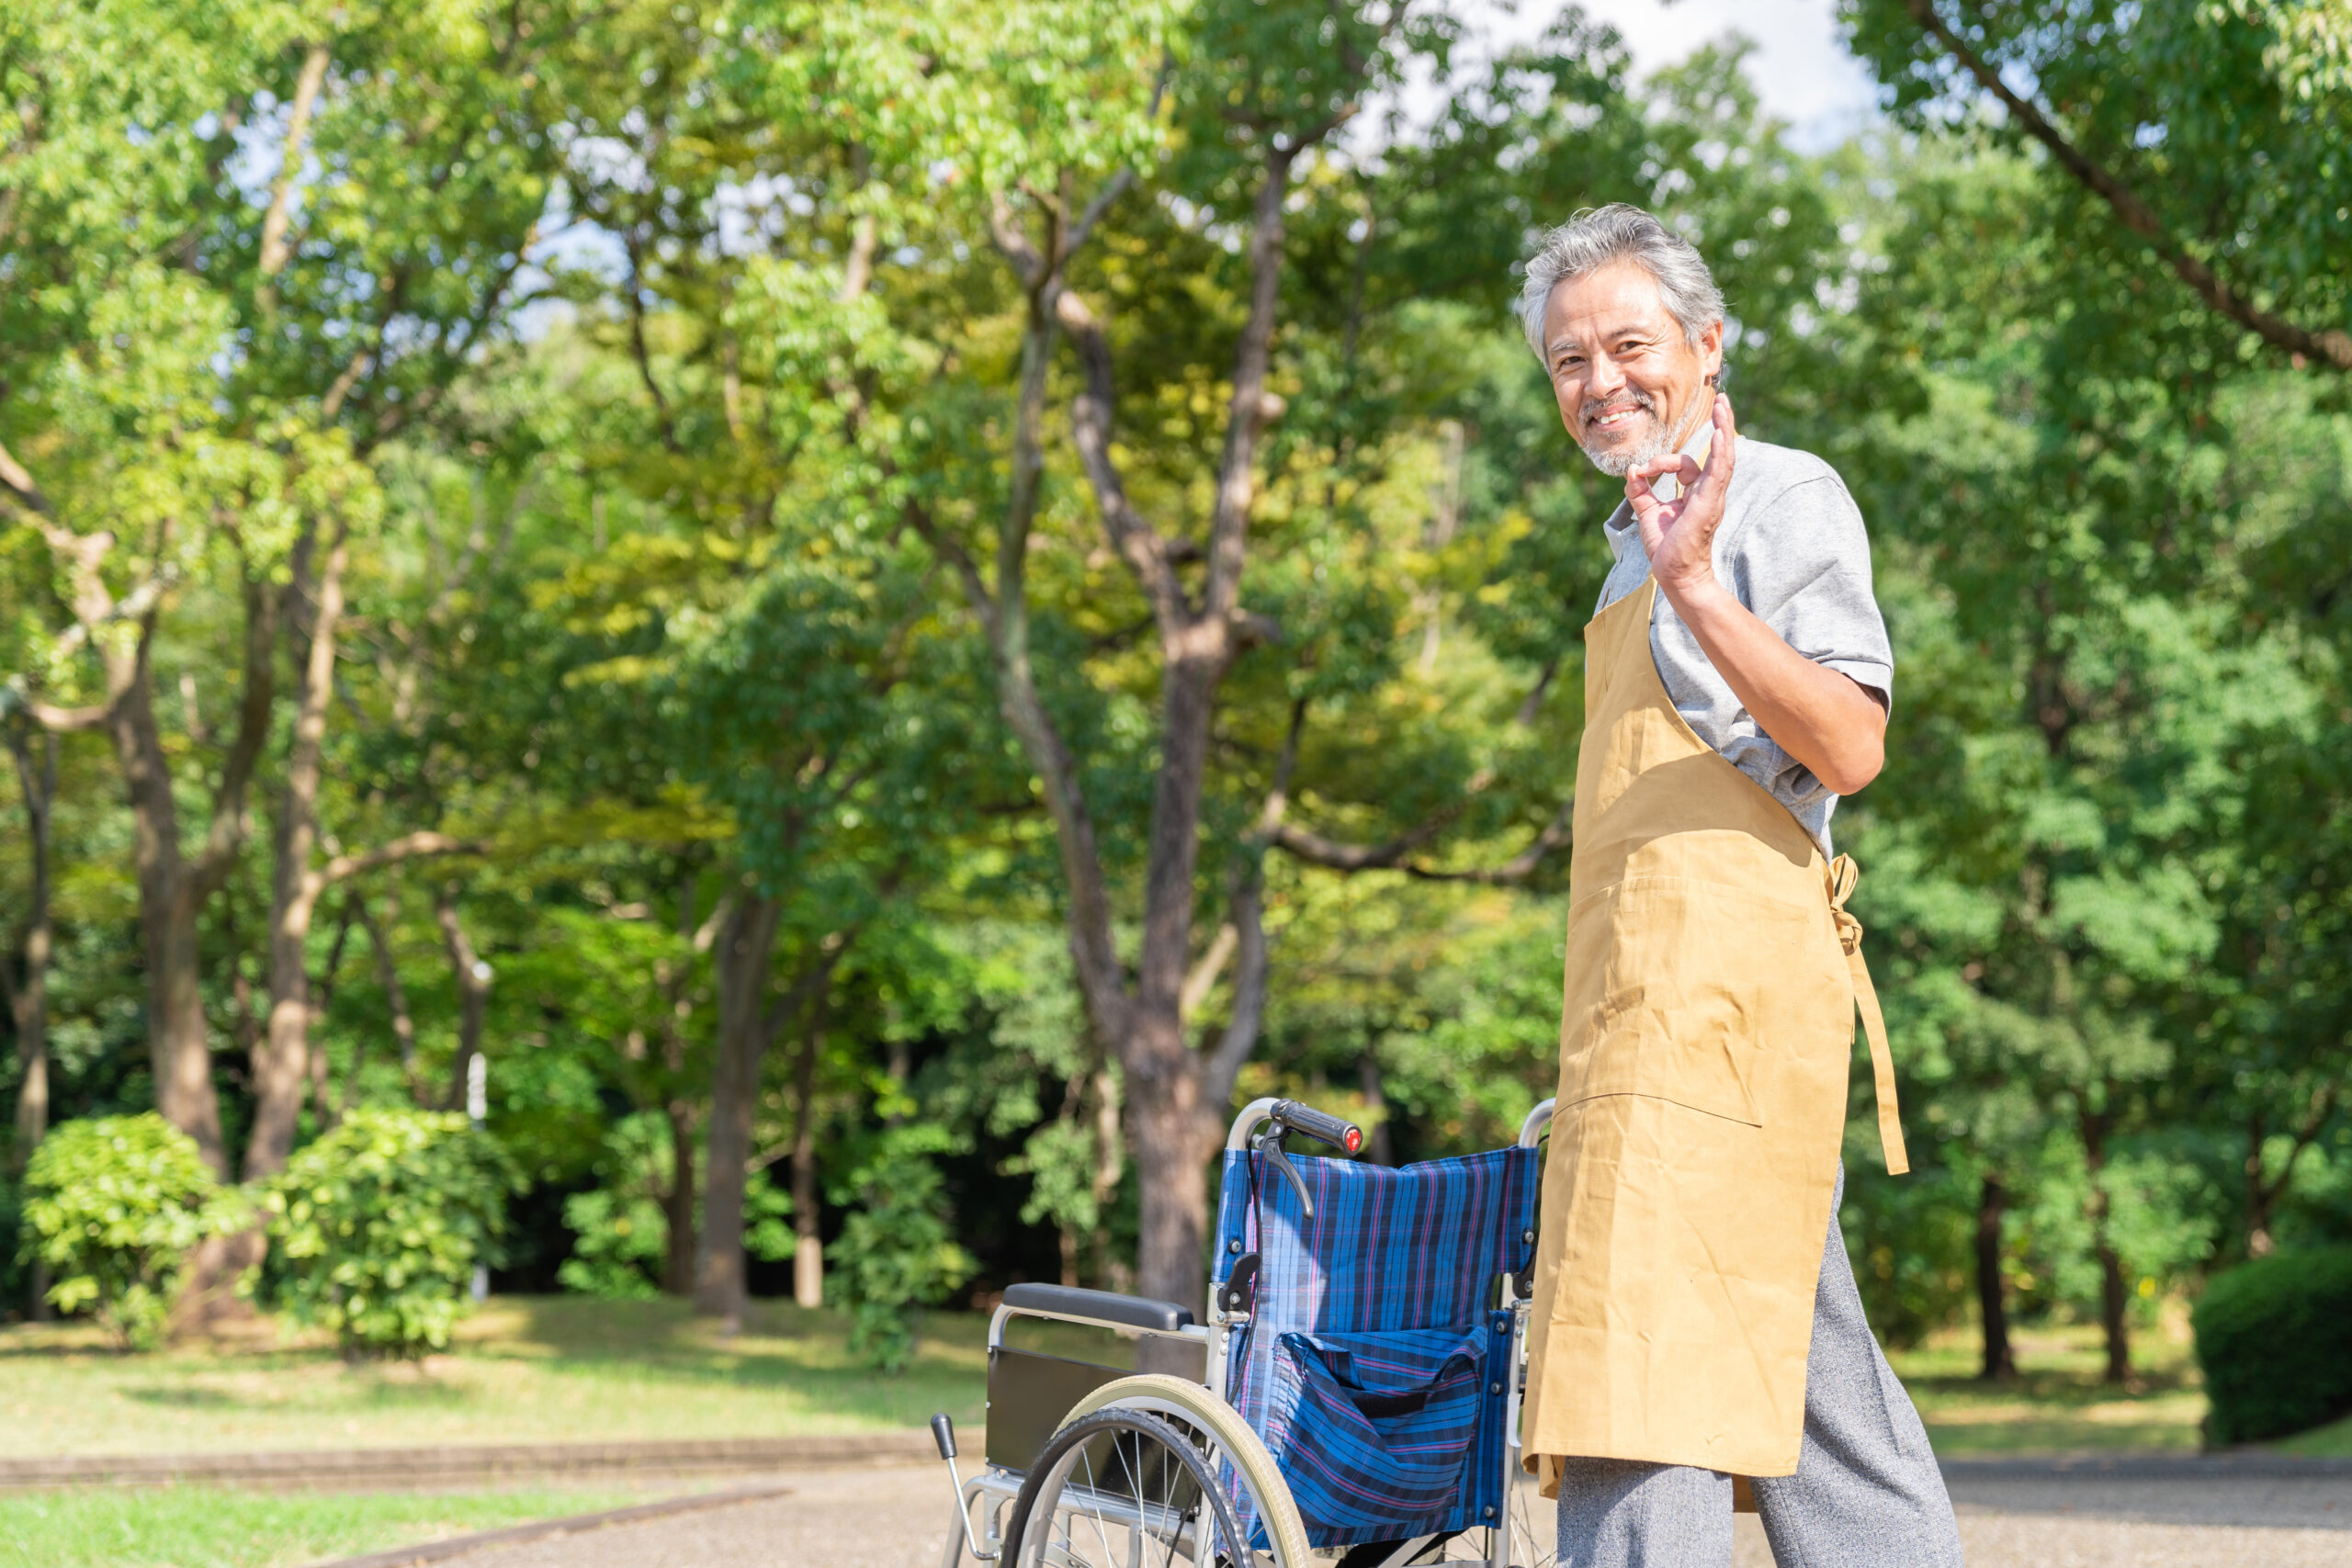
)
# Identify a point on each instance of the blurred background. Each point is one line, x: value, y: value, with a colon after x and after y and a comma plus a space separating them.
x: 745, y: 662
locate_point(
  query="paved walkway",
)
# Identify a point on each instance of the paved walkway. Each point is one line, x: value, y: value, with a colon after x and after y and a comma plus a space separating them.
x: 897, y: 1518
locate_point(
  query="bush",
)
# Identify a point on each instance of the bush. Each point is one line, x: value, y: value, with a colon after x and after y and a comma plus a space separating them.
x: 896, y: 1250
x: 113, y: 1206
x: 620, y: 1232
x: 377, y: 1226
x: 2275, y: 1339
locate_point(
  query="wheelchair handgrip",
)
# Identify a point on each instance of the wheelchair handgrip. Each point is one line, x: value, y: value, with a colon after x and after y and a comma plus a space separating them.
x: 1333, y: 1130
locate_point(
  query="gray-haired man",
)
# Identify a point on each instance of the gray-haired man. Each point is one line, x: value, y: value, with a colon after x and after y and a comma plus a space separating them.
x: 1691, y: 1323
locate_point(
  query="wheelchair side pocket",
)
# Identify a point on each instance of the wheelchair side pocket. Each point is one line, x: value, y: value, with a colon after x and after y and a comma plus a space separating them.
x: 1374, y: 1427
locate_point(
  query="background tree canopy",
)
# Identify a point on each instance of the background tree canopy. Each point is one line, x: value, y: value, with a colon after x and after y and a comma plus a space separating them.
x: 887, y: 610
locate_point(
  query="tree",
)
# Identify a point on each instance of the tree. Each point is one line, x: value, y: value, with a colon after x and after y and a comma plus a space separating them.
x: 2205, y: 130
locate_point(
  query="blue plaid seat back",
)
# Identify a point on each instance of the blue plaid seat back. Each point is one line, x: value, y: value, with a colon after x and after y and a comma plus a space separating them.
x: 1375, y: 1365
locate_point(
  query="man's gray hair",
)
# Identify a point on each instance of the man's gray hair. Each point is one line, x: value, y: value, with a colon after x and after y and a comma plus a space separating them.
x: 1599, y: 236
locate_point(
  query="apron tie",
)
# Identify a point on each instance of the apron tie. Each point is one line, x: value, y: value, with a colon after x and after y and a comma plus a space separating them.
x: 1843, y: 876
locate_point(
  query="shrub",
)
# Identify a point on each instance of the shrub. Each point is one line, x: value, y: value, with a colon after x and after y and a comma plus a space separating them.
x: 113, y: 1206
x: 896, y: 1250
x: 2275, y: 1339
x: 377, y: 1226
x: 620, y: 1232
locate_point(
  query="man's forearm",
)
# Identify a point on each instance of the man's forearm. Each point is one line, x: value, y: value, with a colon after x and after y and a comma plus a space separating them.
x: 1819, y: 716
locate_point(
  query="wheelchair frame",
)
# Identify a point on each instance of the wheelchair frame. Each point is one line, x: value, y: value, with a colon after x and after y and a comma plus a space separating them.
x: 1129, y: 1315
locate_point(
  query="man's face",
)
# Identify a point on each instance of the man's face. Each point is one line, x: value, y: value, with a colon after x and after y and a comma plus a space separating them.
x: 1631, y: 386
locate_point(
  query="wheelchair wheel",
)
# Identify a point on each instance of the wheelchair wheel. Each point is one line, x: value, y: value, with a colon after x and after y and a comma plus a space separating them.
x: 1532, y: 1540
x: 1153, y: 1469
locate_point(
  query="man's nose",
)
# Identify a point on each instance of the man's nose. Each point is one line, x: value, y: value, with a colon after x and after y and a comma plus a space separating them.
x: 1602, y: 378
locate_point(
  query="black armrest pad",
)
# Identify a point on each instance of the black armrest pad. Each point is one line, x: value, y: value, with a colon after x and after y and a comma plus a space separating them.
x: 1106, y: 1306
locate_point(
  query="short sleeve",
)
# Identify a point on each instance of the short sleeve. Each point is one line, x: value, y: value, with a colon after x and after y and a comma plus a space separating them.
x: 1803, y: 564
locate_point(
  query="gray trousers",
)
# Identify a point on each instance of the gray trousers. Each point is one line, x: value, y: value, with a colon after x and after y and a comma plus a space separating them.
x: 1866, y: 1495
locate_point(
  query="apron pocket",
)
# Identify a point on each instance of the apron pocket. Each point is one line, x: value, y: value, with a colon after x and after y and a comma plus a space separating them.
x: 1670, y: 991
x: 1373, y: 1429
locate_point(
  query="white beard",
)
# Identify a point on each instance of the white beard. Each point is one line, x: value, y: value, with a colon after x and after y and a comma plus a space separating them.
x: 1624, y: 460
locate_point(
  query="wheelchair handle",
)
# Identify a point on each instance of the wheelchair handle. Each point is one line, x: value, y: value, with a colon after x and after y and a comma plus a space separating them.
x: 1334, y: 1130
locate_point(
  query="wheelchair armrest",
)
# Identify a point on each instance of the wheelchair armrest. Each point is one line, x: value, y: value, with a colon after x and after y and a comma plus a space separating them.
x: 1099, y: 1306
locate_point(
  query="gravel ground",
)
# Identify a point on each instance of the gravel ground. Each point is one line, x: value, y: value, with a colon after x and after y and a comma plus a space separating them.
x: 897, y: 1517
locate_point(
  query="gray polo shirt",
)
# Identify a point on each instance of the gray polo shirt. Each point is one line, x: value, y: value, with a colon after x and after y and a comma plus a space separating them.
x: 1793, y: 550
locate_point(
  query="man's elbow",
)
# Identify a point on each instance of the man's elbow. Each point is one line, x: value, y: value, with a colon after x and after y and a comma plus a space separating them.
x: 1855, y: 766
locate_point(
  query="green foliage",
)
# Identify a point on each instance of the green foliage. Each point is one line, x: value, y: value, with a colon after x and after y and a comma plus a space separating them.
x: 376, y: 1227
x: 620, y: 1229
x: 1911, y: 1244
x: 620, y: 1232
x: 898, y: 1251
x: 113, y: 1206
x: 2275, y: 1339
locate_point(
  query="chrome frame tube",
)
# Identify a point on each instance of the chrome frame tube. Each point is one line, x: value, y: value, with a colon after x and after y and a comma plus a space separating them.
x: 1005, y: 1486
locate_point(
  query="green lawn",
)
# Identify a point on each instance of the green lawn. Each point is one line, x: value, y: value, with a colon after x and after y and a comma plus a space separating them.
x: 567, y: 1368
x: 2057, y: 1405
x: 554, y: 1368
x: 2331, y: 1442
x: 200, y: 1526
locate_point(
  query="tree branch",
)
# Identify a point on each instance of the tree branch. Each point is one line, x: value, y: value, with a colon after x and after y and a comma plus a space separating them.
x: 20, y: 485
x: 1138, y: 543
x: 230, y: 822
x: 2332, y: 347
x: 409, y: 846
x: 1396, y: 853
x: 662, y: 420
x: 274, y: 250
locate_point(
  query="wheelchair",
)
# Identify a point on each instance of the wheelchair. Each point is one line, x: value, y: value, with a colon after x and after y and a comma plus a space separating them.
x: 1365, y: 1355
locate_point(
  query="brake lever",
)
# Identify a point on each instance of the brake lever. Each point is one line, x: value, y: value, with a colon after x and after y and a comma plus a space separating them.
x: 1270, y: 1143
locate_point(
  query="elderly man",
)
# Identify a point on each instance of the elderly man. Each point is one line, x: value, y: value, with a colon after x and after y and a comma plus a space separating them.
x: 1695, y: 1316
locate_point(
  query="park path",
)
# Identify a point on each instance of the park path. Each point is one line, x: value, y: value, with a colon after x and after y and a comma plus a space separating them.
x: 897, y: 1518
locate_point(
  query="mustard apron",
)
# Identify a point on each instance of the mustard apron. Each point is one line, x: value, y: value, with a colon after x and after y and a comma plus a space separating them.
x: 1706, y: 1028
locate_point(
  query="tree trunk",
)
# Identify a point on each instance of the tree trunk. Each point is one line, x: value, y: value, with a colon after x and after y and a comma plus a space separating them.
x: 28, y: 998
x: 473, y: 992
x: 2259, y: 1194
x: 678, y: 1202
x: 1991, y: 1299
x: 2114, y: 1295
x: 388, y: 974
x: 1166, y: 1124
x: 807, y: 1238
x: 172, y: 888
x: 746, y: 951
x: 179, y: 1055
x: 1110, y: 1164
x: 281, y: 1067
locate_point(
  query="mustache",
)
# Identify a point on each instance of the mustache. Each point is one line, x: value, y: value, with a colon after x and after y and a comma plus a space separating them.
x: 1593, y: 408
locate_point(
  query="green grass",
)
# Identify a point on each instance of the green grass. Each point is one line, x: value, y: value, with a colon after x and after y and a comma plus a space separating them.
x: 2057, y: 1405
x: 555, y: 1369
x: 2331, y: 1442
x: 565, y: 1368
x: 202, y: 1527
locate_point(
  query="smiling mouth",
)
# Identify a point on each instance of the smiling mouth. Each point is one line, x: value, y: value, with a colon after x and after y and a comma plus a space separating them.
x: 1615, y: 418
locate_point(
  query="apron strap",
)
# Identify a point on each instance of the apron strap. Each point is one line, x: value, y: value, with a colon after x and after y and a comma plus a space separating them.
x: 1843, y: 876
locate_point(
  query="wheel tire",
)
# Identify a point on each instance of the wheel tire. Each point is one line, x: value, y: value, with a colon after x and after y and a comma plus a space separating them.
x: 1049, y: 1479
x: 1160, y: 1395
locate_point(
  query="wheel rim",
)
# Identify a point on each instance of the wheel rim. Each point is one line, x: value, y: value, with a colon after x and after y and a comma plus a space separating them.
x: 1124, y: 1489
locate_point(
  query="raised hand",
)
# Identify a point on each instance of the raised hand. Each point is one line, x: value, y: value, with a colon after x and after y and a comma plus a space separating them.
x: 1679, y: 534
